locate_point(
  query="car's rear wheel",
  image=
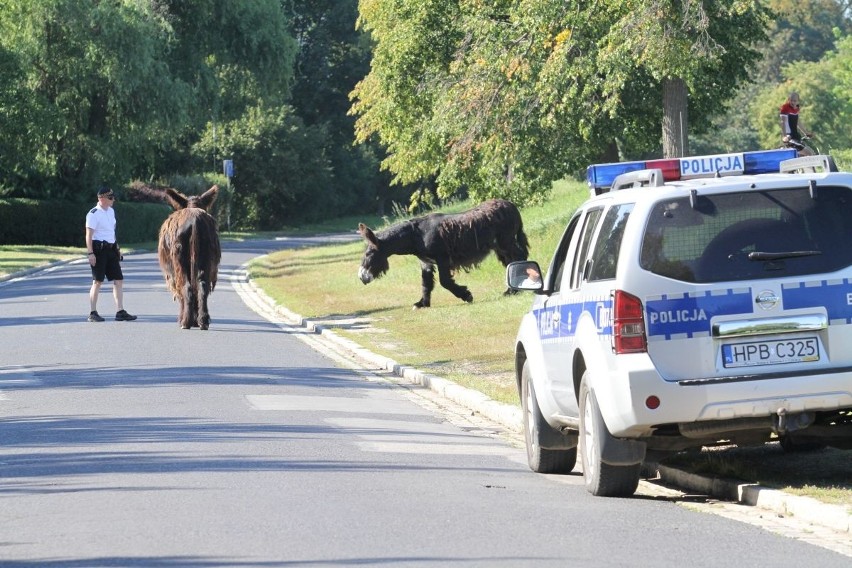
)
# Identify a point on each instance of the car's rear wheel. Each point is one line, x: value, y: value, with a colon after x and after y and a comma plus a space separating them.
x: 538, y: 433
x: 601, y: 479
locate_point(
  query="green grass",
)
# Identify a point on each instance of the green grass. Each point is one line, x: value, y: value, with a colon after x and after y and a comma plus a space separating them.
x: 14, y: 258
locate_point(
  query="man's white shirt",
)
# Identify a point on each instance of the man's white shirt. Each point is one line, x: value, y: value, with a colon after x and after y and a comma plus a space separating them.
x: 102, y: 221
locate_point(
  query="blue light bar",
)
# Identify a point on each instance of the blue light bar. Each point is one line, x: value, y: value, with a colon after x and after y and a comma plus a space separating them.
x: 767, y: 161
x: 601, y: 176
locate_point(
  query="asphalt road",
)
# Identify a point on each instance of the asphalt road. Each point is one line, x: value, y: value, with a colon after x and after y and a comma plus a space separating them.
x: 141, y: 444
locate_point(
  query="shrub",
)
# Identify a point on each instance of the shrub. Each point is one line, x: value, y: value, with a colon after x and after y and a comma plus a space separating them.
x: 61, y: 223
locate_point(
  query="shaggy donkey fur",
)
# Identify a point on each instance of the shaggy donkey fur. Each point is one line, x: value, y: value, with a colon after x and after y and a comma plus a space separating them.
x: 448, y: 242
x: 189, y: 254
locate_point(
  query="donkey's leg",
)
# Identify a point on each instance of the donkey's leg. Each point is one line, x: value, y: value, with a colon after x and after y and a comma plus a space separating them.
x: 185, y: 307
x: 445, y: 277
x: 192, y: 305
x: 427, y: 278
x: 203, y: 314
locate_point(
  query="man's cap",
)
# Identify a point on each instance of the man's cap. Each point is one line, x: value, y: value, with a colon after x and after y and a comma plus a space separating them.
x: 103, y: 190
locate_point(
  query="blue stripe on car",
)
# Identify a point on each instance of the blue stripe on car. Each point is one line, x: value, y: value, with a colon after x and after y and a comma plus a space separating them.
x: 834, y: 295
x: 688, y: 315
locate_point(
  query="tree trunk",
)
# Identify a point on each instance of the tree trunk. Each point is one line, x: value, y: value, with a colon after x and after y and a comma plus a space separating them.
x: 675, y: 118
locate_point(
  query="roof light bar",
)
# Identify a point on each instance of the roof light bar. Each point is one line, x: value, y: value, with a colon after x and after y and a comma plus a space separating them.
x: 601, y: 176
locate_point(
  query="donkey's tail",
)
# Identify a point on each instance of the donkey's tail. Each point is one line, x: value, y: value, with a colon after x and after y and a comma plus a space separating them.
x: 194, y: 253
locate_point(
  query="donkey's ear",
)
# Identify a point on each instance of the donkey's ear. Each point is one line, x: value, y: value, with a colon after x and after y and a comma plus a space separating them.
x: 177, y: 200
x: 368, y: 234
x: 208, y: 197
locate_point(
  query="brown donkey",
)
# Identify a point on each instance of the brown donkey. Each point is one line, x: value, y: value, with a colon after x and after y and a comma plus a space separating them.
x: 189, y: 254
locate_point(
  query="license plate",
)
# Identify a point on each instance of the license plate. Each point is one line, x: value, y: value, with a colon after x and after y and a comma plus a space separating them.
x: 775, y: 352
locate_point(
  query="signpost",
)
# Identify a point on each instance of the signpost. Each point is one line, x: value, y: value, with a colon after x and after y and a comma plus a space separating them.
x: 228, y: 167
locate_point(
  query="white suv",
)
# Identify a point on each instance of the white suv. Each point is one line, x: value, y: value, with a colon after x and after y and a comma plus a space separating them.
x: 690, y: 302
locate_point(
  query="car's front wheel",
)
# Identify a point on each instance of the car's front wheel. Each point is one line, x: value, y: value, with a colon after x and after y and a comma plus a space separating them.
x: 601, y: 479
x: 538, y: 434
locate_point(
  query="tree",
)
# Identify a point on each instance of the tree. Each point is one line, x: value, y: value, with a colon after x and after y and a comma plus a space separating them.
x: 802, y: 30
x: 333, y: 56
x: 281, y: 171
x: 825, y: 89
x: 92, y: 84
x: 113, y: 90
x: 799, y: 31
x: 502, y: 98
x: 697, y: 51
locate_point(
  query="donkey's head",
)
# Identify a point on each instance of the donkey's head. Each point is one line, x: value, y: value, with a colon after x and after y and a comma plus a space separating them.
x: 375, y: 261
x: 180, y: 201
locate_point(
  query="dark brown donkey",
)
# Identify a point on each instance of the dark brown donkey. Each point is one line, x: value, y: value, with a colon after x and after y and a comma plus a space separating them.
x: 189, y: 253
x: 448, y: 242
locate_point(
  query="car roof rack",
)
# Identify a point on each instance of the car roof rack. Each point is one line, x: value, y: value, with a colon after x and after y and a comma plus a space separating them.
x: 641, y: 178
x: 808, y: 164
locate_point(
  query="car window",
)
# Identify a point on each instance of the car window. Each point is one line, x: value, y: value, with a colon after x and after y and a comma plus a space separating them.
x: 578, y: 266
x: 750, y: 235
x: 557, y: 265
x: 605, y: 253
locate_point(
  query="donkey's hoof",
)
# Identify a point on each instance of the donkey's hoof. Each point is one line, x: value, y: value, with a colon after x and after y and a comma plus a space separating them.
x: 420, y: 304
x: 467, y: 297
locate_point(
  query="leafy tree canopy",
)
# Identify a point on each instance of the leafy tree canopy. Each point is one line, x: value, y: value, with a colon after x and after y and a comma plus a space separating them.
x: 502, y: 98
x: 116, y: 89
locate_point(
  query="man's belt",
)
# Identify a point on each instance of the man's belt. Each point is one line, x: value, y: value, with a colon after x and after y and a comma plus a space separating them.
x: 103, y: 245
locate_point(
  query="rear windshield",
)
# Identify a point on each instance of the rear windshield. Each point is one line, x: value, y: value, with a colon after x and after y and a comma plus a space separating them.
x: 750, y: 235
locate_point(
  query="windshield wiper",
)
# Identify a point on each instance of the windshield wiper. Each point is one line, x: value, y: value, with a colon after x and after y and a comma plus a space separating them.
x: 758, y: 255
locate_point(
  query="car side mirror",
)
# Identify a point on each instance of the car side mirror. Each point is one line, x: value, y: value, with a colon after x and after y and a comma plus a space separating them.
x: 524, y: 275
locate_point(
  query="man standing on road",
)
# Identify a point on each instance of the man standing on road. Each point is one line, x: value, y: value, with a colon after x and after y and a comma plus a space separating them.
x: 104, y: 255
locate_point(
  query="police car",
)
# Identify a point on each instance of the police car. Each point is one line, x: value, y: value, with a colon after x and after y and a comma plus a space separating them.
x: 690, y: 302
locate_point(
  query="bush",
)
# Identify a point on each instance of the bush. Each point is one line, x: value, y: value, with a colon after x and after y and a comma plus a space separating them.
x: 62, y: 223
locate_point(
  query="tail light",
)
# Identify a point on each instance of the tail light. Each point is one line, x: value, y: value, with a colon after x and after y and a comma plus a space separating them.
x: 628, y: 324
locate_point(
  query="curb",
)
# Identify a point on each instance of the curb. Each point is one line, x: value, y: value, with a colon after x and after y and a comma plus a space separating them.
x: 28, y: 271
x: 835, y: 517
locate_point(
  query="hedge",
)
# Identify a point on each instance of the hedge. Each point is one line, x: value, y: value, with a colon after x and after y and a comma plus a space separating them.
x: 62, y: 223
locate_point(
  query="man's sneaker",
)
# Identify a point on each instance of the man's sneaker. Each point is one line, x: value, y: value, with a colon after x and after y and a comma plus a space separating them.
x: 123, y: 316
x: 93, y: 316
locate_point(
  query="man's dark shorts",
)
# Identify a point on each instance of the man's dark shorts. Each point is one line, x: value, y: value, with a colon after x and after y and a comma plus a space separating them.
x: 107, y: 262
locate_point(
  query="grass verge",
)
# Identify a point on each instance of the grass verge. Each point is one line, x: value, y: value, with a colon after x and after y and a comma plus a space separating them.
x: 15, y: 258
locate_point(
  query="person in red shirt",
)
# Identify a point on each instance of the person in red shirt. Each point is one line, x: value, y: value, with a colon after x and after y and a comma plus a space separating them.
x: 791, y: 126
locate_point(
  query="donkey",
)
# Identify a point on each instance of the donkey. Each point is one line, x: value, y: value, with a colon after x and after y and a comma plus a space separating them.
x: 448, y: 242
x: 189, y: 254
